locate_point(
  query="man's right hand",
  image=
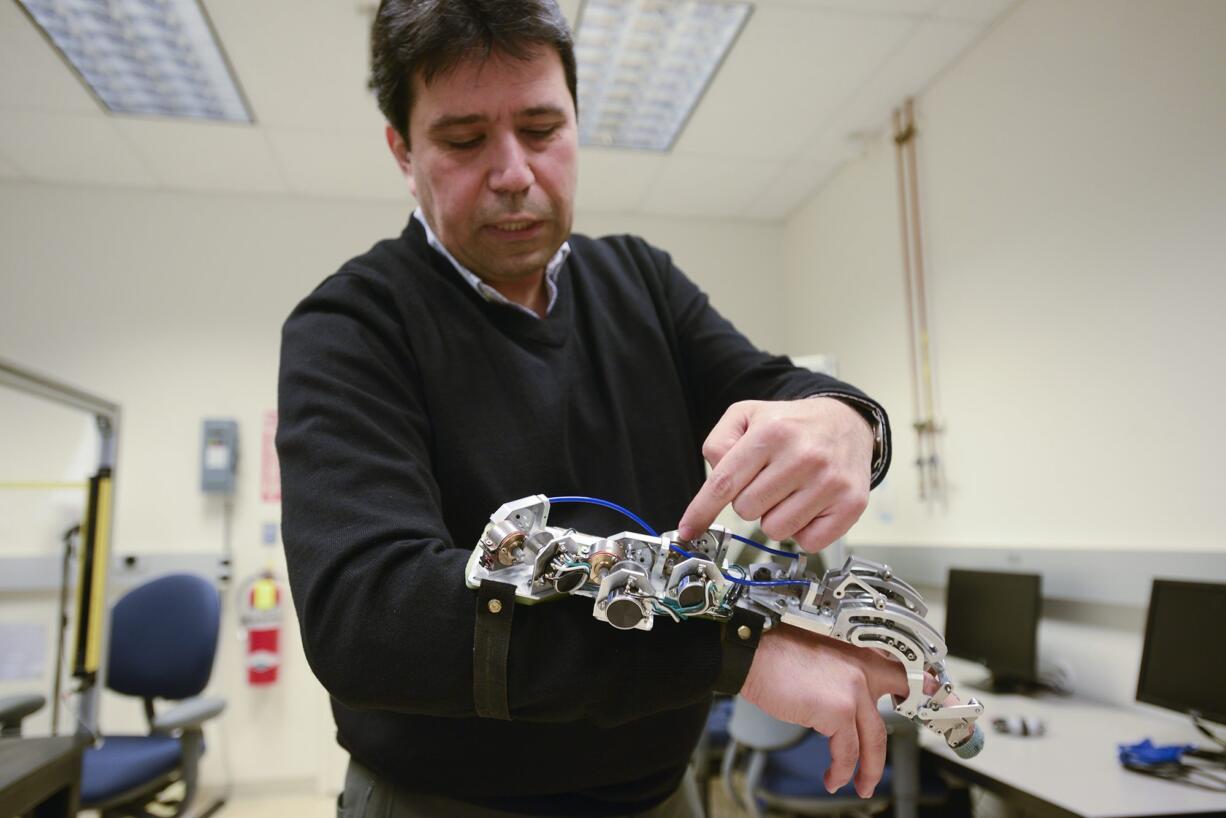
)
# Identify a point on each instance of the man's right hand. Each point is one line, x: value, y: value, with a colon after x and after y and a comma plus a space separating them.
x: 832, y: 687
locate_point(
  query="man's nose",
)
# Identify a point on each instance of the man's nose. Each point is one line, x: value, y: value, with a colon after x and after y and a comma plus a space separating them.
x: 509, y: 168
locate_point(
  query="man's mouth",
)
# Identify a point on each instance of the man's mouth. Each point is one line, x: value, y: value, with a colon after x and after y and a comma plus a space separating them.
x: 519, y: 228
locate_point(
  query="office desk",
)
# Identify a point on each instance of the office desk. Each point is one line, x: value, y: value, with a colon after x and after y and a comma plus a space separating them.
x: 1072, y: 770
x: 41, y: 776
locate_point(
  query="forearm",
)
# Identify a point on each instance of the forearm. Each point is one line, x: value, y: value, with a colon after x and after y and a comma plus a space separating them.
x: 391, y: 626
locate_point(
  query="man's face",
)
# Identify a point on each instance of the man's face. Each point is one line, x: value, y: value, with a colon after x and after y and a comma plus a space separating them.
x: 492, y: 161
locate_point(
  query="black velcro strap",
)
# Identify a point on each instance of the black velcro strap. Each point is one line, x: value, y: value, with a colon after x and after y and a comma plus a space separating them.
x: 741, y: 635
x: 491, y: 643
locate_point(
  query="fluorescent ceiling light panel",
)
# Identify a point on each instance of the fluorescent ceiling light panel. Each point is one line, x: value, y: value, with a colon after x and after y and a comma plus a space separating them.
x: 154, y: 57
x: 644, y: 64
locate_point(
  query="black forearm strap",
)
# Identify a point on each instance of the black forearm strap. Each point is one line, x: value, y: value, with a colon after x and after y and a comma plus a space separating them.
x: 491, y: 643
x: 741, y: 634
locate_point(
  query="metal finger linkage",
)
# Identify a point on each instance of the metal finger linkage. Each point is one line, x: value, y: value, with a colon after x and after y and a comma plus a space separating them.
x: 634, y: 577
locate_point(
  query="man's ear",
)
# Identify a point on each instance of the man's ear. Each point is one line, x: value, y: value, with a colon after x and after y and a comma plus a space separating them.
x: 404, y: 160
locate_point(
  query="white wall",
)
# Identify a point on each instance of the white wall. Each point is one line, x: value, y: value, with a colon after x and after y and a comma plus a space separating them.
x: 739, y: 264
x: 171, y: 305
x: 1074, y: 204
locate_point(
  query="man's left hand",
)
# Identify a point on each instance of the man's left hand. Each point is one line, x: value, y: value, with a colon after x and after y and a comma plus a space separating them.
x: 801, y: 466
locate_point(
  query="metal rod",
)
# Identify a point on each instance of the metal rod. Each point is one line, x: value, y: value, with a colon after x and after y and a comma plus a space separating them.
x: 927, y: 391
x: 902, y: 134
x: 921, y: 297
x: 41, y: 386
x: 58, y: 682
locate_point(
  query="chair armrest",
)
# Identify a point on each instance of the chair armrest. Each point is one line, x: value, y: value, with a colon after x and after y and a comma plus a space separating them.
x: 13, y: 709
x: 188, y: 713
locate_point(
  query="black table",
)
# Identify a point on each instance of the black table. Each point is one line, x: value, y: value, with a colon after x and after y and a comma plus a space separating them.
x: 40, y: 775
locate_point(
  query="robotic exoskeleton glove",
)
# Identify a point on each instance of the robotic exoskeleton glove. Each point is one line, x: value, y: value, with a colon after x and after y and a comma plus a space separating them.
x: 634, y: 577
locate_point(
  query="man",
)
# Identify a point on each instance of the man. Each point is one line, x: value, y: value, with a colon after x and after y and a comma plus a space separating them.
x: 488, y: 354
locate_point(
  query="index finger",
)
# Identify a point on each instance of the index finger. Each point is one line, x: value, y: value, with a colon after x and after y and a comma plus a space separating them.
x: 735, y: 471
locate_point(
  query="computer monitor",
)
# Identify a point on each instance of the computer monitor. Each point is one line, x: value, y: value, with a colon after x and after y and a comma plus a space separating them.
x: 992, y: 617
x: 1183, y: 666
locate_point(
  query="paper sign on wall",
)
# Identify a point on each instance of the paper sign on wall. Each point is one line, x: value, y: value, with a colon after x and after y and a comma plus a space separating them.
x: 270, y: 469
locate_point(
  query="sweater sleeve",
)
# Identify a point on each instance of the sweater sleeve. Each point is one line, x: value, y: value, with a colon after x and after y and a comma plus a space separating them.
x: 385, y: 616
x: 721, y: 366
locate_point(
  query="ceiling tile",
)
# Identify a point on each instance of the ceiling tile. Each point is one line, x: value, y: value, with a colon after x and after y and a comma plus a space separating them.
x: 907, y: 8
x: 767, y: 98
x: 206, y: 155
x: 570, y: 10
x: 706, y: 186
x: 789, y: 189
x: 72, y: 148
x: 984, y: 11
x: 932, y: 47
x: 301, y: 64
x: 613, y: 181
x: 804, y: 77
x: 32, y: 74
x: 338, y: 163
x: 8, y: 170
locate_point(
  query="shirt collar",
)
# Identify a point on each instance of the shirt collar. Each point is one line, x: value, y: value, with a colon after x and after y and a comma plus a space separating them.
x: 552, y: 269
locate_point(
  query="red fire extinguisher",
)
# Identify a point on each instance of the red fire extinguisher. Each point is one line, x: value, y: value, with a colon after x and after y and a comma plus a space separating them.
x: 260, y: 616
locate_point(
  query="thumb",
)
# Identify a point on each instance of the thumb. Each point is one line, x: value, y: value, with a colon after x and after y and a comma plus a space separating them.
x: 730, y: 428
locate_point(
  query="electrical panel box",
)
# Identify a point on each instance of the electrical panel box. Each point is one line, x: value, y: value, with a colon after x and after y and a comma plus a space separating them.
x: 219, y: 457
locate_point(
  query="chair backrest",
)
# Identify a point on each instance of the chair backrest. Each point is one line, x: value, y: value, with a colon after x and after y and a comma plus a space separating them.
x: 750, y: 727
x: 164, y: 637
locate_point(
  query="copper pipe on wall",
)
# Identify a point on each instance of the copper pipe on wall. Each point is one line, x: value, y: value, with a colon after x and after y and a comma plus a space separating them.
x: 901, y: 135
x: 923, y: 406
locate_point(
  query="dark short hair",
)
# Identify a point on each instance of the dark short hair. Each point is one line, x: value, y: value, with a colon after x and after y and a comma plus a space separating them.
x: 430, y: 37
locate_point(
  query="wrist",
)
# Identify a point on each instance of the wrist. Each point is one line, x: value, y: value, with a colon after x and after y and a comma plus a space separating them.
x: 879, y: 425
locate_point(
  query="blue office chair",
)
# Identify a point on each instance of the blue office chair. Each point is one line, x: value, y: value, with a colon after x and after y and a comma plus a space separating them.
x: 709, y: 753
x: 162, y: 643
x: 786, y: 763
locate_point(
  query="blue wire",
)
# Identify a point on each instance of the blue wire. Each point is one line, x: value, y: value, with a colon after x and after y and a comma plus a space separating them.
x: 762, y: 547
x: 597, y: 502
x: 627, y: 512
x: 760, y: 583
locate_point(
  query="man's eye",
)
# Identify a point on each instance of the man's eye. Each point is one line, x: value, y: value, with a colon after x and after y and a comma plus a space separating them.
x: 464, y: 144
x: 541, y: 133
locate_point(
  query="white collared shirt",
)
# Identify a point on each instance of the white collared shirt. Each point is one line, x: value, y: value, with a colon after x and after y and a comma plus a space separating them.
x: 485, y: 290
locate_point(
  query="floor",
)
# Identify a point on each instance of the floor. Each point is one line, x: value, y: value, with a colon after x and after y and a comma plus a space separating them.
x: 269, y: 806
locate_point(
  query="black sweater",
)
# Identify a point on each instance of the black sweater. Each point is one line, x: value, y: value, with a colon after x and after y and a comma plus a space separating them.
x: 410, y: 410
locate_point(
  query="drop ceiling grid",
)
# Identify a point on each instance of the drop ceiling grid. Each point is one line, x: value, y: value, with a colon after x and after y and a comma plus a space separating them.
x: 32, y: 75
x: 708, y: 186
x: 301, y: 64
x: 212, y: 156
x: 769, y: 130
x: 789, y: 70
x: 864, y: 114
x: 8, y: 170
x: 752, y: 115
x: 67, y: 148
